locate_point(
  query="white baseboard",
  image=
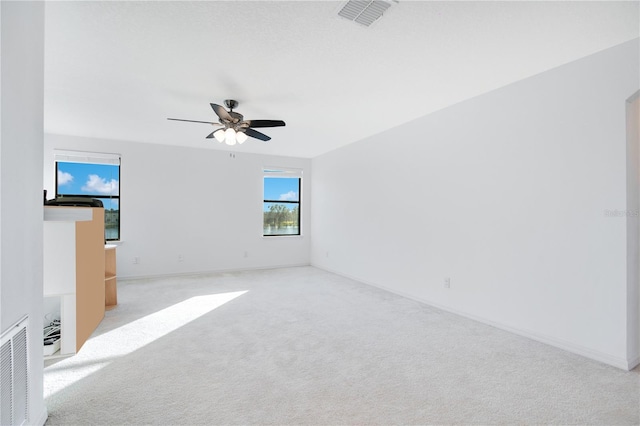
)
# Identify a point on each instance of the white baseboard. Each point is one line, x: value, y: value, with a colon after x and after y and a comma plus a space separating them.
x: 621, y: 363
x: 633, y: 363
x: 211, y: 271
x: 42, y: 419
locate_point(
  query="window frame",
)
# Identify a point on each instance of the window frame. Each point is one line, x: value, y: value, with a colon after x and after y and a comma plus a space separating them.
x: 96, y: 159
x: 283, y: 173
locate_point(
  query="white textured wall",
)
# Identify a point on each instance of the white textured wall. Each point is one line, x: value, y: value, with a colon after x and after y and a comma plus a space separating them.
x: 198, y: 203
x: 22, y: 87
x: 505, y: 194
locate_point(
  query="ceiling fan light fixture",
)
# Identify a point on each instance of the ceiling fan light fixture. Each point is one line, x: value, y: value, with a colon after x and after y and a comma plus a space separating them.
x: 230, y: 136
x: 219, y: 135
x: 241, y: 137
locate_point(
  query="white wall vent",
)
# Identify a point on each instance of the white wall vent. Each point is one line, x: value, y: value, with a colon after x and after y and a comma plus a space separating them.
x: 14, y: 379
x: 365, y: 12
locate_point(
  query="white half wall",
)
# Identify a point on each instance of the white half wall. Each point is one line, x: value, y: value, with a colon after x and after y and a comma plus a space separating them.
x: 21, y: 136
x: 512, y: 195
x: 202, y: 204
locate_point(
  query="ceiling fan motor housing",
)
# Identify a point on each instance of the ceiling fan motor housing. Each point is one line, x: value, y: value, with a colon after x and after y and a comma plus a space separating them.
x: 237, y: 117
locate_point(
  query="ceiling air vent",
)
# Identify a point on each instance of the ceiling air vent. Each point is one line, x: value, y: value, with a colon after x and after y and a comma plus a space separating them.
x: 365, y: 12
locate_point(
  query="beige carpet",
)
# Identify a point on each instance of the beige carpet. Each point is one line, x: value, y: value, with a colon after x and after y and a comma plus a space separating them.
x: 303, y: 346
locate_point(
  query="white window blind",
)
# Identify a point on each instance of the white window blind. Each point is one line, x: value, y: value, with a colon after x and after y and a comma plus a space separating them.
x: 86, y: 157
x: 282, y: 172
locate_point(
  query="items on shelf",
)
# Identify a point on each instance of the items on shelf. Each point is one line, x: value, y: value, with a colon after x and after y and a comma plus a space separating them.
x: 51, y: 336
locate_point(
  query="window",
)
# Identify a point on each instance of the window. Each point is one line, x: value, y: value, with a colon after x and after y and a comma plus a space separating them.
x: 281, y: 202
x: 92, y: 175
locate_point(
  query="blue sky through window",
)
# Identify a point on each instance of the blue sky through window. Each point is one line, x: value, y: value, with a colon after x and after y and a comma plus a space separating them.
x: 91, y: 179
x: 281, y: 189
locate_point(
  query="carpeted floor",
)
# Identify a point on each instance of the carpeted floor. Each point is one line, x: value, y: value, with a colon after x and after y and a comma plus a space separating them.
x: 303, y: 346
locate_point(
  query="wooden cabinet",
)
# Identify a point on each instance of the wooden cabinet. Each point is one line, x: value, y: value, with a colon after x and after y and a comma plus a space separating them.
x: 74, y: 270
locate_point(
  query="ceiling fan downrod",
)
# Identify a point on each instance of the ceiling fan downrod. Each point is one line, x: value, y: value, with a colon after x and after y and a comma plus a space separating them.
x: 231, y: 103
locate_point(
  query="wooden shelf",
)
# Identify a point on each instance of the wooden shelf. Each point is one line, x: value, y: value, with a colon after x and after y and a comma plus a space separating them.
x: 110, y: 279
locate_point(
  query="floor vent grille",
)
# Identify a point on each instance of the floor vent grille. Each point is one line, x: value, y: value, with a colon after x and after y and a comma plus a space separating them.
x: 14, y: 377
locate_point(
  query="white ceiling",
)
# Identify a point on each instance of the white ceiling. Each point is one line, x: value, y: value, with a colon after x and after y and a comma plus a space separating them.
x: 118, y: 70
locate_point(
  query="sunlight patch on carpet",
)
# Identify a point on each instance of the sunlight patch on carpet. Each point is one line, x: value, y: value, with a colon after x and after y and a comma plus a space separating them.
x: 129, y: 338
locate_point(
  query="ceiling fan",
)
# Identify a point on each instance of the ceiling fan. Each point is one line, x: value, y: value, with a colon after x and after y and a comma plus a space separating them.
x: 234, y: 128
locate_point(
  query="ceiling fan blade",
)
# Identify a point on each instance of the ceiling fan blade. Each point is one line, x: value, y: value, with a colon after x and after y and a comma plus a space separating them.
x: 221, y: 112
x: 266, y: 123
x: 192, y: 121
x: 211, y: 134
x: 256, y: 134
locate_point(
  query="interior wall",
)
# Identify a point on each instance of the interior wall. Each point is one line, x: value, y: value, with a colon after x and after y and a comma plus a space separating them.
x: 633, y: 229
x: 511, y: 195
x: 21, y: 135
x: 202, y: 204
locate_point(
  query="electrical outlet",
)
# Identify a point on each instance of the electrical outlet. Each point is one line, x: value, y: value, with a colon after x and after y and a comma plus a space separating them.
x: 246, y: 254
x: 180, y: 258
x: 447, y: 282
x: 135, y: 260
